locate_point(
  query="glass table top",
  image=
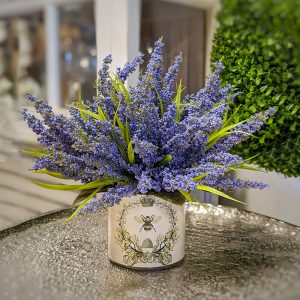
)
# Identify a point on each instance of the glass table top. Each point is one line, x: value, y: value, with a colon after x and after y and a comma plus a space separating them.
x: 230, y: 254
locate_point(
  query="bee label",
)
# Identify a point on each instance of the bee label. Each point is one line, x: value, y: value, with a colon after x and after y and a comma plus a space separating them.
x: 146, y: 232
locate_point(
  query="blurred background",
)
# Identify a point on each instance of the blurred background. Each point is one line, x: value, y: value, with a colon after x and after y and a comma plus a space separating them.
x: 52, y: 48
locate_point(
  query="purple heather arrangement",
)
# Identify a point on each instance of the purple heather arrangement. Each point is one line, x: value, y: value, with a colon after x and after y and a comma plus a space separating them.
x: 144, y: 139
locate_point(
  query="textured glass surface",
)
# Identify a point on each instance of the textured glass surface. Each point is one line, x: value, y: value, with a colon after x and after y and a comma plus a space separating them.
x: 230, y: 254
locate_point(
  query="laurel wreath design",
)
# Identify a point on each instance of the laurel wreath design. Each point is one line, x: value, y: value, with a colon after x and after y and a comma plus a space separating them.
x: 131, y: 245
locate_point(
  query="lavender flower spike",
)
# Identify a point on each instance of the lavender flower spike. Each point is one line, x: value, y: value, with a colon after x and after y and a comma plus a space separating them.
x: 142, y: 139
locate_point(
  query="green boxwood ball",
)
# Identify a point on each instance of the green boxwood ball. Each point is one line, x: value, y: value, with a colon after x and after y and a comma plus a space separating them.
x: 258, y: 42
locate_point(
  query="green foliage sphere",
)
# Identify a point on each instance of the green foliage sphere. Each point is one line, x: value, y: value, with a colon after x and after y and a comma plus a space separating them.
x: 258, y: 41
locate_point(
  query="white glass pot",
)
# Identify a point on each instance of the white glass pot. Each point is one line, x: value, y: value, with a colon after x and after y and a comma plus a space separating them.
x: 146, y: 232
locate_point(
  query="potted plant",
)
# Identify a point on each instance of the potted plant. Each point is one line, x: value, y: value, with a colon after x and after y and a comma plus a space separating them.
x: 140, y: 151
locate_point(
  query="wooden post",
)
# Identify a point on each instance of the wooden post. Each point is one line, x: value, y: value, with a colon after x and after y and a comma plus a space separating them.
x: 53, y: 85
x: 117, y: 31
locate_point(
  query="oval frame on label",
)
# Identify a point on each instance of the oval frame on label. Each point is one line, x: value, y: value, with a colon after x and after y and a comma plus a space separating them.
x: 146, y: 232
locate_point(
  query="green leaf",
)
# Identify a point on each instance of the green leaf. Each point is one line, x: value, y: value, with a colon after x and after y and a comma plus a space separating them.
x: 80, y: 207
x: 165, y: 160
x: 99, y: 183
x: 209, y: 189
x: 77, y: 187
x: 121, y: 88
x: 215, y: 136
x: 221, y: 131
x: 228, y: 133
x: 189, y: 105
x: 124, y: 90
x: 130, y: 154
x: 36, y: 152
x: 127, y: 133
x: 263, y: 88
x: 186, y: 195
x: 177, y: 100
x: 51, y: 173
x: 241, y: 167
x: 59, y: 187
x: 115, y: 86
x: 238, y: 131
x: 199, y: 177
x: 199, y: 107
x: 87, y: 112
x: 284, y: 98
x: 226, y: 121
x: 250, y: 158
x: 101, y: 114
x: 269, y: 91
x: 115, y: 136
x: 119, y: 145
x: 121, y: 127
x: 227, y: 168
x: 246, y: 167
x: 83, y: 195
x: 191, y: 198
x: 161, y: 106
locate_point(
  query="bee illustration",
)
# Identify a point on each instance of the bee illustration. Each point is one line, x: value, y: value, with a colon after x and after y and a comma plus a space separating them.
x: 147, y: 222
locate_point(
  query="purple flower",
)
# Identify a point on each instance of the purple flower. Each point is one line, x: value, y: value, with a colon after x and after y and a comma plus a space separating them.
x: 129, y: 67
x: 142, y: 136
